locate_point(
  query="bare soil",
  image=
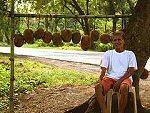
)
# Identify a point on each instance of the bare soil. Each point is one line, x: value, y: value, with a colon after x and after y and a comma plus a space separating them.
x: 59, y: 99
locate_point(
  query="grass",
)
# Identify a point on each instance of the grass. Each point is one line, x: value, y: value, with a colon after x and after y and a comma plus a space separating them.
x: 29, y: 74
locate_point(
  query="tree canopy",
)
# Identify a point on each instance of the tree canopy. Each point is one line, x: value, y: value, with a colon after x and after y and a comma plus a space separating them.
x: 75, y: 7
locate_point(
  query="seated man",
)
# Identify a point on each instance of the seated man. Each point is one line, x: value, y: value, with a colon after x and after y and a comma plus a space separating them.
x: 117, y: 67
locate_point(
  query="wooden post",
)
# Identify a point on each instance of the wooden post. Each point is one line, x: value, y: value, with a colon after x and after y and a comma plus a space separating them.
x: 11, y: 90
x: 70, y: 16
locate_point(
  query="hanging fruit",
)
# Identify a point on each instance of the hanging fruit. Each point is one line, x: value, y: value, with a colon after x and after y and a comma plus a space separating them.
x: 105, y: 38
x: 57, y: 41
x: 86, y: 42
x: 18, y: 40
x: 48, y: 35
x: 94, y: 34
x: 66, y: 35
x: 76, y: 37
x: 39, y: 33
x: 28, y: 36
x: 18, y: 37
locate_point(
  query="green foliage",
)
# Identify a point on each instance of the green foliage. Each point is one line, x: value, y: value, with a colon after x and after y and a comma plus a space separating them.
x: 4, y: 44
x: 4, y: 79
x: 29, y: 74
x: 3, y: 10
x: 100, y: 7
x: 41, y: 44
x: 3, y: 6
x: 103, y: 47
x: 96, y: 7
x: 4, y: 21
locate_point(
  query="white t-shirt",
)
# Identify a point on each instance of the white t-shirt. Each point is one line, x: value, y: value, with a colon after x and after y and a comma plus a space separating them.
x: 118, y: 63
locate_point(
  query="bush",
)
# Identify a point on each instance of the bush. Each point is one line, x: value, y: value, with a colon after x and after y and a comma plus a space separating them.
x: 103, y: 47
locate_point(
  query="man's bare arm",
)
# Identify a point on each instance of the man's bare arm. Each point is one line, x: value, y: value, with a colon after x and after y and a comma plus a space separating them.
x: 102, y: 73
x: 128, y: 73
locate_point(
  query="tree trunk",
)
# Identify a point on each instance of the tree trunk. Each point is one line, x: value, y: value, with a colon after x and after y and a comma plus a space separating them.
x: 137, y: 39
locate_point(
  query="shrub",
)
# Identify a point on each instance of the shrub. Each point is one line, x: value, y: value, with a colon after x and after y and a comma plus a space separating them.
x: 103, y: 47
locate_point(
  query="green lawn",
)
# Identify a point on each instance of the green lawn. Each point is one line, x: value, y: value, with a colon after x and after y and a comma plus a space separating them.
x: 29, y: 74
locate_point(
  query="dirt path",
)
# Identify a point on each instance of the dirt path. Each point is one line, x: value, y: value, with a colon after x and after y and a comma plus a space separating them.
x: 58, y: 99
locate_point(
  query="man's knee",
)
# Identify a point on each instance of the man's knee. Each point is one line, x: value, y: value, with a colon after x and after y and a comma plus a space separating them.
x: 124, y: 88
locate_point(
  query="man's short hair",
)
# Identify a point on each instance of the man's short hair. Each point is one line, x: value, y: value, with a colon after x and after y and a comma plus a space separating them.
x: 119, y: 33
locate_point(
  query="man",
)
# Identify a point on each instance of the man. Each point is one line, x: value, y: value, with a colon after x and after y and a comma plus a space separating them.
x: 117, y: 67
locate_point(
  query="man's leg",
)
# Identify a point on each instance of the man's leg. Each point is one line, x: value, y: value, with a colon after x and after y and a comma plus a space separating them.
x: 100, y: 98
x: 124, y: 88
x: 101, y: 90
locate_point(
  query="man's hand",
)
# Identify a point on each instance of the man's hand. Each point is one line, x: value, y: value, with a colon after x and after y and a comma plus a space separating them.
x: 128, y: 73
x: 102, y: 73
x: 117, y: 86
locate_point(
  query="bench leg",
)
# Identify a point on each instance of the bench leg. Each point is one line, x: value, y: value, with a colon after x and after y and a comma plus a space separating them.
x: 109, y: 100
x: 135, y: 104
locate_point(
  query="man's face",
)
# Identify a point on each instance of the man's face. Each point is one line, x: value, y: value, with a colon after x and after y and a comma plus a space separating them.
x: 118, y: 42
